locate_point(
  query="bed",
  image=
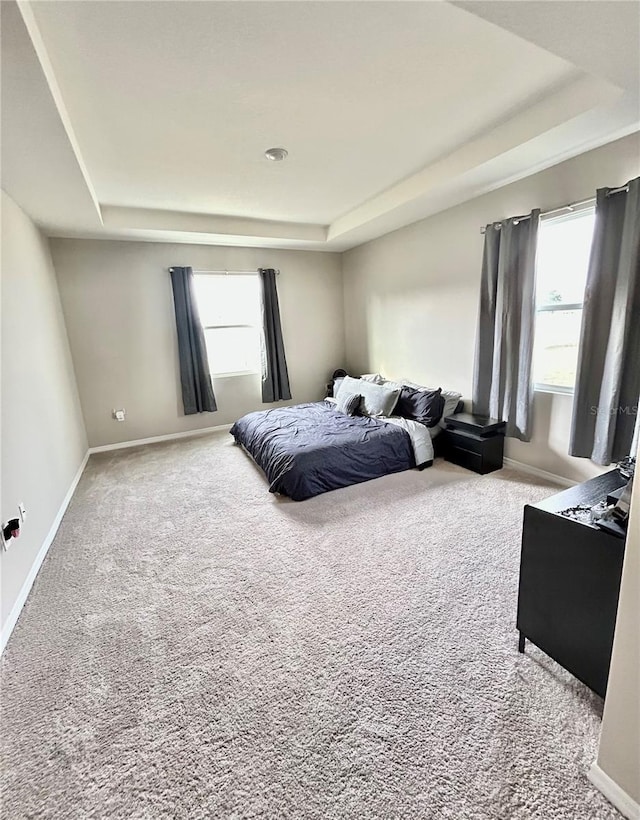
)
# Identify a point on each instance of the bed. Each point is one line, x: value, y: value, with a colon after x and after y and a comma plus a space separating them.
x: 309, y: 449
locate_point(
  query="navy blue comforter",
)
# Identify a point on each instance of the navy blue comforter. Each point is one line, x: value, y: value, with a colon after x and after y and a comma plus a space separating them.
x: 311, y: 448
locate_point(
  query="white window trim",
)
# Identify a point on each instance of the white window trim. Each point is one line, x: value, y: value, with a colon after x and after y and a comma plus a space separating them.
x: 235, y: 373
x: 560, y: 306
x: 576, y: 211
x: 570, y: 212
x: 256, y: 327
x: 561, y: 390
x: 226, y: 374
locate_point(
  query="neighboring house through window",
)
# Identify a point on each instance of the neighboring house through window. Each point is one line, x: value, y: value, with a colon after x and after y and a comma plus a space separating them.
x: 564, y: 244
x: 230, y: 312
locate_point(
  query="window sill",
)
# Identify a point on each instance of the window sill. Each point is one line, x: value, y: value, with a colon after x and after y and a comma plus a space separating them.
x: 233, y: 375
x: 552, y: 388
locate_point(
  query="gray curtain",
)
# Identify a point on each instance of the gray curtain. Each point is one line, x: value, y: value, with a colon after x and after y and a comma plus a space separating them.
x: 197, y: 391
x: 275, y: 378
x: 605, y: 403
x: 502, y: 386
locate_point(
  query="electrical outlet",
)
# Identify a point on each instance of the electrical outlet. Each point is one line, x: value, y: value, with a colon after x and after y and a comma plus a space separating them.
x: 23, y: 512
x: 119, y: 415
x: 7, y: 528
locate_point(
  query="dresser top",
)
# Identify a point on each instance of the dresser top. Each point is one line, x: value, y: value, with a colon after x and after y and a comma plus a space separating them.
x: 588, y: 493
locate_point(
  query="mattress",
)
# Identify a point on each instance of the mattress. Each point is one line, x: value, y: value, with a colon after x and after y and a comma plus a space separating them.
x: 312, y: 448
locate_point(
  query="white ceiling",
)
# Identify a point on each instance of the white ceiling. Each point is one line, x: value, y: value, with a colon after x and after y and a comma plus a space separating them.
x: 38, y: 162
x: 156, y: 115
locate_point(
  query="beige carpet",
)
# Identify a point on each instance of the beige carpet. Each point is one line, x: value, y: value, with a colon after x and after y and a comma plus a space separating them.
x: 196, y: 648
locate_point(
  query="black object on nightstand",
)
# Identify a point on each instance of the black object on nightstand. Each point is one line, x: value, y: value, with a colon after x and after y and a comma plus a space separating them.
x: 474, y: 442
x: 570, y: 582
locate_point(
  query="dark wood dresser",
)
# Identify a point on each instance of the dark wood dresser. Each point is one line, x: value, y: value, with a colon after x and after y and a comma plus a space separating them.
x: 474, y: 442
x: 570, y: 582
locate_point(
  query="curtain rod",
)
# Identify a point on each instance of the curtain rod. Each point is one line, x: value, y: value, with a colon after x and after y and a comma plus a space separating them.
x: 227, y: 272
x: 570, y: 207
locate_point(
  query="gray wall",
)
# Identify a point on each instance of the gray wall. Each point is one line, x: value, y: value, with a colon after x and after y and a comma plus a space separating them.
x: 118, y: 307
x: 411, y: 297
x: 43, y: 437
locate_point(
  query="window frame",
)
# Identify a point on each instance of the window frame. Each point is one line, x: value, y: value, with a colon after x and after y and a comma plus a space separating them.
x: 256, y: 327
x: 575, y: 212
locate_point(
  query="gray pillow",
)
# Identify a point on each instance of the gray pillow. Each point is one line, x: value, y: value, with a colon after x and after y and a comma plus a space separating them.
x: 425, y: 406
x: 451, y: 398
x: 377, y: 400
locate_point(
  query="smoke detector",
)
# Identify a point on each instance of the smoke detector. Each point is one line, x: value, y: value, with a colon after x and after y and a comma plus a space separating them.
x: 276, y: 154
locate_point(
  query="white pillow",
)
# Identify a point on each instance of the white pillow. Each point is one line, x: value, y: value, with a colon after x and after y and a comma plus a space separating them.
x: 336, y: 385
x: 374, y: 378
x: 393, y: 385
x: 348, y: 387
x: 377, y: 399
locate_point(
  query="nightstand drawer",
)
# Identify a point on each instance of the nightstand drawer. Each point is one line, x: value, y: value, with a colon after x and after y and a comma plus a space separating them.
x: 465, y: 458
x: 464, y: 441
x: 482, y: 454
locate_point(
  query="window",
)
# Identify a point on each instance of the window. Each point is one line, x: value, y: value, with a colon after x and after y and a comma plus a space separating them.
x: 230, y: 312
x: 564, y: 244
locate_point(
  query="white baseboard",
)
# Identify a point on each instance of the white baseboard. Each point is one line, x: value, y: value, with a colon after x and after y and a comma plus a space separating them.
x: 122, y: 445
x: 527, y: 468
x: 7, y: 629
x: 614, y: 793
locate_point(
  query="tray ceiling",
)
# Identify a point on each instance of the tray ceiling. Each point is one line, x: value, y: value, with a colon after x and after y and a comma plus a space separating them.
x: 390, y: 111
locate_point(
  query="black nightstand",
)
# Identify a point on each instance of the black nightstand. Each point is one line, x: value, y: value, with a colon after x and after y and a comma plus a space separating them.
x: 474, y: 442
